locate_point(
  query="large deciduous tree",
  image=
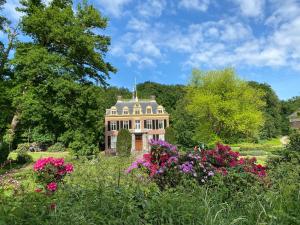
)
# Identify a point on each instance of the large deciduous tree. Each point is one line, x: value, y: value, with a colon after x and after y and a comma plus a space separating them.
x: 58, y: 74
x: 271, y: 110
x: 226, y: 107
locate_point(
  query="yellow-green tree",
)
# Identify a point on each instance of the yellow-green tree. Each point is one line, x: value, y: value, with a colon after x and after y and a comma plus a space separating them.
x: 226, y: 108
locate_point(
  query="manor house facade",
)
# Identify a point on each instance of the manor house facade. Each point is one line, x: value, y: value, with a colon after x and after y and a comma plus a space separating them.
x: 295, y: 120
x: 144, y: 118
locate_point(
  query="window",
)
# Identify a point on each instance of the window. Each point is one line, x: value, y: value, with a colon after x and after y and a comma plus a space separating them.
x: 113, y: 125
x: 113, y: 110
x: 113, y: 141
x: 125, y: 111
x: 160, y: 124
x: 160, y: 110
x: 126, y: 125
x: 137, y: 111
x: 148, y: 124
x: 137, y: 125
x: 149, y: 110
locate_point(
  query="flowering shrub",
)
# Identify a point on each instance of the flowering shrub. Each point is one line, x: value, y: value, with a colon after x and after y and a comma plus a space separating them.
x: 167, y: 167
x: 49, y: 172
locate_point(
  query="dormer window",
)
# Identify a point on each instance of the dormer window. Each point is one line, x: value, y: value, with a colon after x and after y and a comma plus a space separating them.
x: 137, y: 109
x: 149, y: 110
x: 160, y: 110
x: 125, y: 111
x: 113, y: 111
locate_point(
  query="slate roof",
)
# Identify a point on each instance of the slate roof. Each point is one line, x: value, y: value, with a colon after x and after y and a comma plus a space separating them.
x: 131, y: 103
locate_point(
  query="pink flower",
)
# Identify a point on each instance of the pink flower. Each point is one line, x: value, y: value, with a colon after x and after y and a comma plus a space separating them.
x: 52, y: 186
x: 69, y: 168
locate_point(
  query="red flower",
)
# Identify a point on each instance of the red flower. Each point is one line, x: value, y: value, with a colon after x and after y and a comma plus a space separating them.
x: 38, y: 190
x: 52, y: 186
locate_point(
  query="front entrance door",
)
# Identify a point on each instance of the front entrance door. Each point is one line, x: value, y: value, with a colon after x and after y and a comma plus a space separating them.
x: 138, y: 142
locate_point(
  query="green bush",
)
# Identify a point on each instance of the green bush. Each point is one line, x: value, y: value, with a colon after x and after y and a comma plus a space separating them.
x: 294, y: 144
x: 124, y: 143
x: 170, y: 135
x: 24, y: 147
x: 4, y: 152
x: 57, y: 147
x: 23, y: 157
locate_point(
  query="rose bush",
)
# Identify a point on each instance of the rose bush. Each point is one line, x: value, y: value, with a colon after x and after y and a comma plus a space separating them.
x: 50, y: 172
x: 167, y: 167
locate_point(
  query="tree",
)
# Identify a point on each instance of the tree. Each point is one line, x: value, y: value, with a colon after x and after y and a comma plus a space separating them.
x: 271, y: 110
x: 184, y: 124
x: 166, y: 95
x: 170, y: 135
x: 58, y: 76
x: 226, y: 107
x: 124, y: 143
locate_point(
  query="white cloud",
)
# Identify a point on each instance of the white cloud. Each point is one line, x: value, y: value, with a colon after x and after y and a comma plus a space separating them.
x: 251, y: 8
x: 152, y: 8
x: 201, y: 5
x: 114, y: 7
x: 138, y: 25
x: 147, y: 47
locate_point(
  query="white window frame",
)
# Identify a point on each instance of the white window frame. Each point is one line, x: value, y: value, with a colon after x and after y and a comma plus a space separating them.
x: 113, y: 142
x: 113, y: 125
x: 148, y: 124
x: 126, y: 124
x: 160, y: 124
x: 137, y: 124
x: 125, y: 110
x: 113, y: 112
x: 160, y: 110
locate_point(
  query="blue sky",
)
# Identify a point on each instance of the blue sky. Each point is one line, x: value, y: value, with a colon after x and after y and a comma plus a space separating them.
x: 163, y: 40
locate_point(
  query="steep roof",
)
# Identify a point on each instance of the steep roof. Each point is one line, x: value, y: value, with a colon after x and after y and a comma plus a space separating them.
x: 131, y: 103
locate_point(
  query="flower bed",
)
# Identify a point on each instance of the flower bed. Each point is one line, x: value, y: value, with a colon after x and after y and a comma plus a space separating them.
x: 166, y: 166
x: 50, y: 172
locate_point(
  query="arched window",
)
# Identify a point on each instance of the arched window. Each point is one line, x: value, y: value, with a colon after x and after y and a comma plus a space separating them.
x: 137, y: 109
x: 149, y: 110
x: 160, y: 110
x: 113, y: 110
x: 125, y: 110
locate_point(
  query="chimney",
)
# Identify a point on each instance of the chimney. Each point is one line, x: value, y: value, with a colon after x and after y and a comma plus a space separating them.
x: 119, y: 98
x: 152, y: 97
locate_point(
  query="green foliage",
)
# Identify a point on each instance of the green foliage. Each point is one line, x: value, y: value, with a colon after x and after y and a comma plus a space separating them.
x: 294, y: 144
x: 124, y: 143
x: 4, y: 152
x: 170, y: 135
x: 110, y: 197
x: 57, y: 147
x: 24, y: 147
x: 166, y: 95
x: 23, y: 157
x: 82, y: 144
x: 184, y: 124
x: 287, y: 108
x: 272, y: 126
x: 226, y: 107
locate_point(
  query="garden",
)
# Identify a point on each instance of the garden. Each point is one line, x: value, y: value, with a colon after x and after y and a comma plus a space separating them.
x: 164, y: 186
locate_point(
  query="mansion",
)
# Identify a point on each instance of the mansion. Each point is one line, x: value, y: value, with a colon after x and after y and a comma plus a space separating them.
x: 144, y: 118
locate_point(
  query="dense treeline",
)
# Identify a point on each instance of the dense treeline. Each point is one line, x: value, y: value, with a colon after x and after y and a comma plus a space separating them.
x: 55, y: 87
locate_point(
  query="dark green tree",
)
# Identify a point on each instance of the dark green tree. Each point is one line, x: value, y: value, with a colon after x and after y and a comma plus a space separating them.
x: 170, y: 135
x: 166, y: 95
x: 272, y: 108
x: 124, y: 143
x: 58, y: 75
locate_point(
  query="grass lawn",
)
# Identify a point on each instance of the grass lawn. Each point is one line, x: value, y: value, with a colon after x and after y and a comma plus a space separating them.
x: 262, y: 150
x: 37, y: 155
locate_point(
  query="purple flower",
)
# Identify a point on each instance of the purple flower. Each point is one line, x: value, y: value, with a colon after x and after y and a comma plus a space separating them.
x: 187, y: 167
x: 210, y: 173
x: 172, y: 159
